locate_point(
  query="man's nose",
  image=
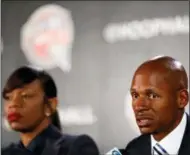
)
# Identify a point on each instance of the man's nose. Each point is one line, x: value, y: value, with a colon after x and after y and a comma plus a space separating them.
x: 141, y: 104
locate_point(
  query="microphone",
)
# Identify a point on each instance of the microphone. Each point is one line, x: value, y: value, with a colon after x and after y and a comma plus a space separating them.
x: 114, y: 151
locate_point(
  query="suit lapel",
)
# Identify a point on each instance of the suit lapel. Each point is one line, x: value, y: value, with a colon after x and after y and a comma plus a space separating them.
x: 185, y: 145
x: 56, y: 147
x: 143, y: 147
x: 146, y: 146
x: 52, y: 144
x: 51, y: 148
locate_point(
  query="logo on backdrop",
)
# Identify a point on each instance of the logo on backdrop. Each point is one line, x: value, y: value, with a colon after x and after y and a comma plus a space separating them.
x: 77, y: 115
x: 47, y: 37
x: 146, y: 29
x: 5, y: 125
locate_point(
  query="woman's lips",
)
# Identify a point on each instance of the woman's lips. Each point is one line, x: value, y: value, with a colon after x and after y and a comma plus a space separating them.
x: 13, y: 117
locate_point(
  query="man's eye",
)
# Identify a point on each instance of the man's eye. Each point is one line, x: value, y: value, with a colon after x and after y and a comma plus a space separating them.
x: 152, y: 96
x: 134, y: 95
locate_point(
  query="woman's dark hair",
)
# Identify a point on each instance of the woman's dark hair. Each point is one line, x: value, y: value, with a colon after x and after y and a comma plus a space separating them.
x: 56, y: 120
x: 25, y: 75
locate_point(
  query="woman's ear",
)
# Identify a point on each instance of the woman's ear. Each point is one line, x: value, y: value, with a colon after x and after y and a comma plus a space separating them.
x: 53, y: 104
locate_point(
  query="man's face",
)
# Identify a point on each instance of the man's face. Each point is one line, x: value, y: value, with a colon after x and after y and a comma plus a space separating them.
x: 154, y: 102
x: 24, y: 107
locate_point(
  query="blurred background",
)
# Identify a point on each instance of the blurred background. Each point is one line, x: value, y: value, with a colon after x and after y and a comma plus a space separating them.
x: 92, y: 50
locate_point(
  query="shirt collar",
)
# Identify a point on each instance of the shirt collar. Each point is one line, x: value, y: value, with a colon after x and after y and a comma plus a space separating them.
x: 172, y: 141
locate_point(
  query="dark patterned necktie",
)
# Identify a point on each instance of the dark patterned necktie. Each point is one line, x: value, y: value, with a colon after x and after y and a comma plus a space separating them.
x: 160, y: 150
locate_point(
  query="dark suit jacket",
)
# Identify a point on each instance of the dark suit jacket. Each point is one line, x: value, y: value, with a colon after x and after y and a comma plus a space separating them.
x: 52, y: 142
x: 142, y: 144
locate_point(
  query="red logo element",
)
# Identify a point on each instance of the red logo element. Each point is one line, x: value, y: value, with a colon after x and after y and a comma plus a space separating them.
x: 45, y: 40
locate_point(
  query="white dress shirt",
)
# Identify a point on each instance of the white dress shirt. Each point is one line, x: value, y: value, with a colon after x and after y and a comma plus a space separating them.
x: 171, y: 143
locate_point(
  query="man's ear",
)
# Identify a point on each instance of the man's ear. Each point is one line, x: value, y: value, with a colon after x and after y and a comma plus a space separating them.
x: 183, y: 98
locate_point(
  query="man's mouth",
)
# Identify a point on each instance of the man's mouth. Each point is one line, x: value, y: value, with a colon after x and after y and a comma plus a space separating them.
x: 144, y: 122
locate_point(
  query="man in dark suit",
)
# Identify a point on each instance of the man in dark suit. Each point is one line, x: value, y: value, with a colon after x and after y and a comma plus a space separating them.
x: 159, y: 97
x: 30, y: 102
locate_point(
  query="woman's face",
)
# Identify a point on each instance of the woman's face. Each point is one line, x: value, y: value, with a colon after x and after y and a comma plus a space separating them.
x: 24, y: 107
